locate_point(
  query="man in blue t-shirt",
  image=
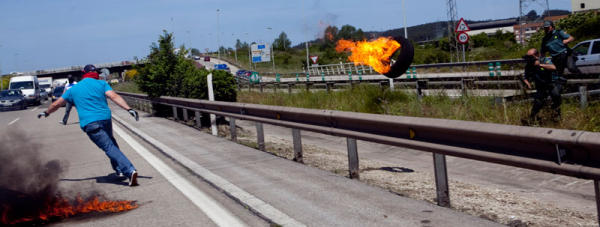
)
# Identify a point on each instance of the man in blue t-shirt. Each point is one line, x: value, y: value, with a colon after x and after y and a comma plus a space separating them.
x: 89, y: 95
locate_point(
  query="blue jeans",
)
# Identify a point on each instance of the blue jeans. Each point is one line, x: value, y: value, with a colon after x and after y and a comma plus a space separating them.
x: 100, y: 132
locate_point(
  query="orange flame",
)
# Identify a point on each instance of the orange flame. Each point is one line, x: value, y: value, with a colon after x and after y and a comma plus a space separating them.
x: 62, y: 208
x: 375, y: 53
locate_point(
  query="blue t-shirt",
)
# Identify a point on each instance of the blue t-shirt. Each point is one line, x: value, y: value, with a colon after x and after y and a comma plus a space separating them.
x: 90, y: 100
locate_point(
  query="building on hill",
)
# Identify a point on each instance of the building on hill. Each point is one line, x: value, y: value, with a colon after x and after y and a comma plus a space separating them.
x: 491, y: 27
x: 584, y: 5
x: 532, y: 27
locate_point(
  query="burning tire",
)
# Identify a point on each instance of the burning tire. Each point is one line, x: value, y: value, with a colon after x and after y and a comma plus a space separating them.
x: 404, y: 59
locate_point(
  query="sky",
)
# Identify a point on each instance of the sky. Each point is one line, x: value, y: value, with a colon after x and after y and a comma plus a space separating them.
x: 47, y: 34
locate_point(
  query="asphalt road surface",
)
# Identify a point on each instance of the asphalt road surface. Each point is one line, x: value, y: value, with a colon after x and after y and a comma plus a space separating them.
x: 161, y: 200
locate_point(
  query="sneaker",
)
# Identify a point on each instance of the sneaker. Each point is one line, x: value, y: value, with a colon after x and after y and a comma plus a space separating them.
x: 62, y: 123
x: 120, y: 175
x: 133, y: 179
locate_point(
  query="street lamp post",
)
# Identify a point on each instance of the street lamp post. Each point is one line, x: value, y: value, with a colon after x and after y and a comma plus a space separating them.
x: 218, y: 38
x: 272, y: 52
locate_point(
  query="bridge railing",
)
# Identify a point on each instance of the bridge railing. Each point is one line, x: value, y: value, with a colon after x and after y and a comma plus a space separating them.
x: 566, y: 152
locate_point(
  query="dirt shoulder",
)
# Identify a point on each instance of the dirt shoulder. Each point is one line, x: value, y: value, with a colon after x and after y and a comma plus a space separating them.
x: 481, y: 189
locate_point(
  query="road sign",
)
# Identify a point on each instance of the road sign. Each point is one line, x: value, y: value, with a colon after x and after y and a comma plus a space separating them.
x: 314, y: 59
x: 462, y: 38
x: 260, y: 53
x: 462, y: 26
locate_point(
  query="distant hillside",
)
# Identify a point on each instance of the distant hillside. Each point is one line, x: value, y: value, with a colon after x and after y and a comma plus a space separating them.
x: 439, y: 29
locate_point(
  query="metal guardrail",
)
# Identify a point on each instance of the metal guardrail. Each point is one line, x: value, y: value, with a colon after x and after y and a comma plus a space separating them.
x: 565, y: 152
x: 351, y: 68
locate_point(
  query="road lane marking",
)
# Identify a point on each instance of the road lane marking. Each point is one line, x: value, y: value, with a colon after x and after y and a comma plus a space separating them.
x: 34, y: 109
x: 209, y: 206
x: 264, y: 209
x: 15, y: 120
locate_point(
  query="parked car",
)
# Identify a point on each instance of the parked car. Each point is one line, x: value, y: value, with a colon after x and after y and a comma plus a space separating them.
x: 206, y: 58
x: 588, y: 56
x: 57, y: 92
x: 196, y: 57
x: 12, y: 100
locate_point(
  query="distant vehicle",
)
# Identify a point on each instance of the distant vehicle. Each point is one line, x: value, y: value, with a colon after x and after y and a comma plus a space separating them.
x: 57, y: 92
x: 45, y: 83
x: 29, y: 86
x: 60, y: 82
x: 588, y: 56
x: 196, y: 57
x: 206, y: 58
x: 12, y: 100
x: 43, y: 94
x: 222, y: 67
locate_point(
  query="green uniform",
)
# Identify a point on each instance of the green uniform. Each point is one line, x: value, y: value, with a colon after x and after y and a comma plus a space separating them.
x: 553, y: 42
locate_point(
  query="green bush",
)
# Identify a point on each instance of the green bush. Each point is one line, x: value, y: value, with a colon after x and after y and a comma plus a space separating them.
x: 170, y: 74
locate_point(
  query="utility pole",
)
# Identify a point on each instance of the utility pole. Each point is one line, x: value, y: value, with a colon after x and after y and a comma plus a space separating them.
x: 404, y: 12
x: 451, y: 26
x: 218, y: 36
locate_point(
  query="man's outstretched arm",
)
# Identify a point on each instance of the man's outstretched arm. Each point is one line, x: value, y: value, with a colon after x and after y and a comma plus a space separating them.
x: 53, y: 107
x: 116, y: 98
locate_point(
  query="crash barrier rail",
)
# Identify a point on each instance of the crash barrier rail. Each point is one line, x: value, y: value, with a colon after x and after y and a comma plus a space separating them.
x: 565, y: 152
x: 494, y: 66
x: 464, y: 85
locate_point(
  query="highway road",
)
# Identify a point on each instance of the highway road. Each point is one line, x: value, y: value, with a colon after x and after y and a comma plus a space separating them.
x: 160, y: 196
x: 209, y: 181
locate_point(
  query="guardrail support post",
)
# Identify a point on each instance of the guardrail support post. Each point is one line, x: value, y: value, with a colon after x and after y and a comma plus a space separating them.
x: 276, y: 85
x: 260, y: 136
x: 250, y: 87
x: 308, y: 86
x: 232, y: 129
x: 297, y: 139
x: 597, y: 190
x: 441, y: 180
x: 583, y: 96
x: 391, y: 84
x: 290, y: 88
x: 353, y: 169
x: 185, y: 114
x: 329, y: 85
x: 198, y: 119
x: 174, y: 113
x: 261, y: 87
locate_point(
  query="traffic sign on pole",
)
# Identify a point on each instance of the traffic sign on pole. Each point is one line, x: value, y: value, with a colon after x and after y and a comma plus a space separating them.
x: 462, y: 38
x: 462, y: 26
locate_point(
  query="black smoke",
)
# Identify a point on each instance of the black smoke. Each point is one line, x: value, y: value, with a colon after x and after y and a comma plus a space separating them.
x: 27, y: 183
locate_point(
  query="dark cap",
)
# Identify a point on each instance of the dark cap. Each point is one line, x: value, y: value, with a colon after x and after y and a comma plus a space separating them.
x: 548, y: 24
x: 89, y: 68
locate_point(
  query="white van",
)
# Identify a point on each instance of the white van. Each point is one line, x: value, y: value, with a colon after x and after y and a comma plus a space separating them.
x: 45, y: 83
x: 29, y: 86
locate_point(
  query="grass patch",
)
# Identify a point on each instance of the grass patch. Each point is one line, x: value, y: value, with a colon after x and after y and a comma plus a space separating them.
x: 372, y: 99
x: 129, y: 86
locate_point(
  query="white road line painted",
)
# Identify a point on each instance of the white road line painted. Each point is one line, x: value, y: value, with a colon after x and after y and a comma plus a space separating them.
x: 34, y: 109
x: 244, y: 197
x: 15, y: 120
x: 209, y: 206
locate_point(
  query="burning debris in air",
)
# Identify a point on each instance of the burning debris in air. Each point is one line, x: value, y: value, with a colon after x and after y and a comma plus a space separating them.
x: 29, y: 191
x: 374, y: 53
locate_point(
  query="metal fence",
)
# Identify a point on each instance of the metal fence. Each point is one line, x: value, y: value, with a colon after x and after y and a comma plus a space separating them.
x: 565, y: 152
